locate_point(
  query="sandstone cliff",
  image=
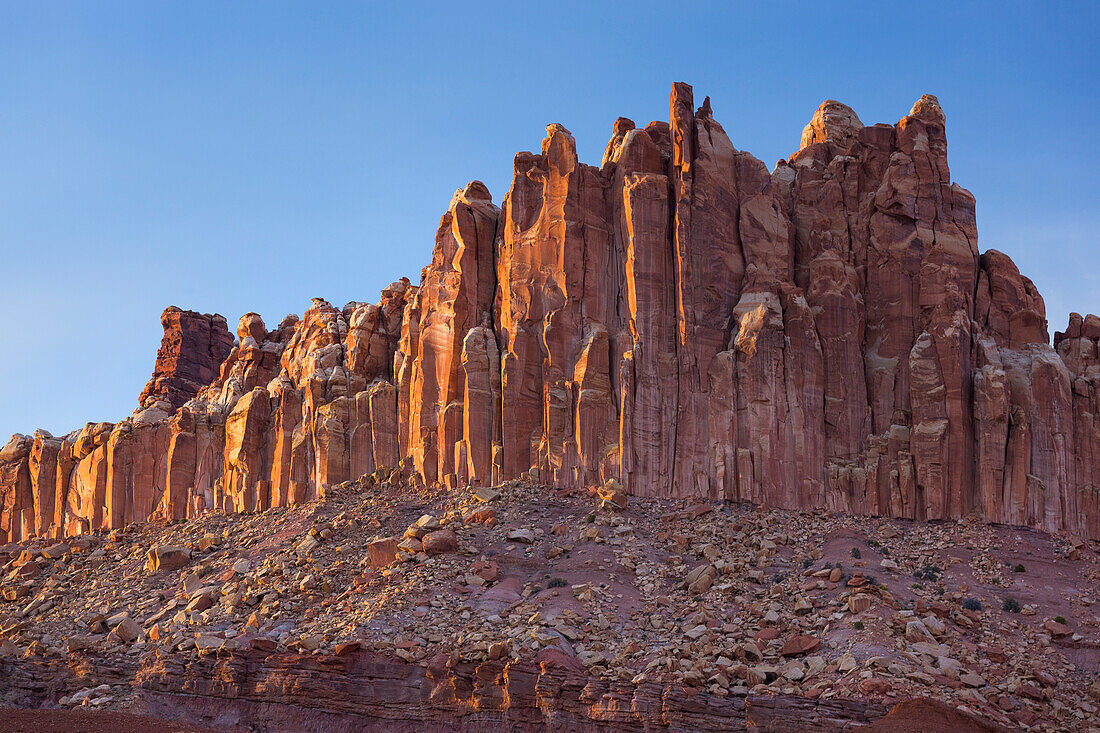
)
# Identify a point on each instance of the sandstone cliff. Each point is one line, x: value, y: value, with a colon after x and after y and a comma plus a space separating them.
x: 680, y: 319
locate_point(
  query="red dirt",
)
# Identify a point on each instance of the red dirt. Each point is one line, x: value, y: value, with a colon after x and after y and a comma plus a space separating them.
x: 929, y: 716
x: 88, y: 721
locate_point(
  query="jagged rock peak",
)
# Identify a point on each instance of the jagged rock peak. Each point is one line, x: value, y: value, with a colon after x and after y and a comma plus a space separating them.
x: 928, y: 109
x: 473, y: 191
x: 826, y: 337
x: 192, y: 350
x: 622, y: 126
x: 705, y: 110
x: 476, y: 191
x: 251, y: 325
x: 554, y: 128
x: 833, y: 122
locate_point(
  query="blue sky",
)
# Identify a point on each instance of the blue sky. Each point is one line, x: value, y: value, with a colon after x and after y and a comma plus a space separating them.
x: 228, y: 157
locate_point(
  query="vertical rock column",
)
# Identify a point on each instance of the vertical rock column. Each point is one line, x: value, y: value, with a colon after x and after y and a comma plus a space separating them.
x: 709, y: 267
x: 640, y: 195
x: 554, y: 235
x: 1079, y: 348
x: 455, y: 295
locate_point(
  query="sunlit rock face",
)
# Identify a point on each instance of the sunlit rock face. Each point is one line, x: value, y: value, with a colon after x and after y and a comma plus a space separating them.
x: 824, y: 335
x: 191, y: 352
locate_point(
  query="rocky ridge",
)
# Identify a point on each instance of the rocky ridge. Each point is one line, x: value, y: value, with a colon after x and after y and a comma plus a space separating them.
x: 680, y: 319
x: 541, y: 609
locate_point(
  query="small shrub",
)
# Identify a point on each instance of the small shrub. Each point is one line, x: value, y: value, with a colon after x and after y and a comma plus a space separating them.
x: 828, y: 566
x: 856, y: 553
x: 556, y: 583
x: 874, y: 543
x: 807, y: 563
x: 1060, y: 619
x: 918, y: 586
x: 590, y: 518
x: 1019, y: 569
x: 928, y: 572
x: 858, y: 626
x: 1011, y: 605
x: 972, y: 604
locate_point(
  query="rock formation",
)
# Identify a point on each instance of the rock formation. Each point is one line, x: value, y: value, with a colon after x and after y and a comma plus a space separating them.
x: 679, y: 319
x: 362, y: 691
x: 191, y: 352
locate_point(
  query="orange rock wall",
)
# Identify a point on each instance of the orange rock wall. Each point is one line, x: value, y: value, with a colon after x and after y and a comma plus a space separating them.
x: 821, y: 335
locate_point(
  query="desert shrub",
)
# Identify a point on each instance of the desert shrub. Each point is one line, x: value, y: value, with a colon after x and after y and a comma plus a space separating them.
x: 1011, y: 605
x: 928, y: 572
x: 556, y: 583
x: 972, y: 604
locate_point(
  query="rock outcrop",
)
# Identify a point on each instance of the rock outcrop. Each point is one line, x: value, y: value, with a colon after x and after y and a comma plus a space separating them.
x: 681, y: 319
x: 361, y: 691
x: 191, y: 352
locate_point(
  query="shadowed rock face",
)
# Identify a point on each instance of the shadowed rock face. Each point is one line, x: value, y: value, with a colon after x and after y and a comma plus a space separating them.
x: 363, y: 691
x: 681, y: 319
x: 193, y: 348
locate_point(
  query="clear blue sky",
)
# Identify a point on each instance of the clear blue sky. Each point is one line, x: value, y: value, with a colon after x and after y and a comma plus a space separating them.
x: 237, y: 156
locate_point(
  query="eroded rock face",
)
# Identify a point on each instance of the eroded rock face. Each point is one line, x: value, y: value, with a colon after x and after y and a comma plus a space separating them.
x: 681, y: 320
x: 193, y: 348
x: 369, y: 692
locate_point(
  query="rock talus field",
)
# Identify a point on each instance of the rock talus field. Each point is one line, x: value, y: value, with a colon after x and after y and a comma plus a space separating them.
x: 661, y: 444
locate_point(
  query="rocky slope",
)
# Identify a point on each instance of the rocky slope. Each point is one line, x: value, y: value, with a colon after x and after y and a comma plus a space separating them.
x: 527, y: 608
x: 681, y: 320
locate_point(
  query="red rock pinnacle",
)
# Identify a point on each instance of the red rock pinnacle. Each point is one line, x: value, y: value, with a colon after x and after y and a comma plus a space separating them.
x: 824, y: 335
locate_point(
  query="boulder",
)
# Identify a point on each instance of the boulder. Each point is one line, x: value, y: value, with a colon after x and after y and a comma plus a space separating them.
x: 700, y: 579
x: 383, y: 551
x: 127, y: 630
x: 799, y: 645
x: 859, y: 603
x: 167, y: 557
x: 439, y: 542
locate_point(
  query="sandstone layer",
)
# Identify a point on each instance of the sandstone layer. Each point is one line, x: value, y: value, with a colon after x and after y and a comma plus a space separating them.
x: 369, y: 692
x: 680, y: 319
x: 551, y: 610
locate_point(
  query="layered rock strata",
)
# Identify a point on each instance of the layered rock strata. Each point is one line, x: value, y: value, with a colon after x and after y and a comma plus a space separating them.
x: 191, y: 353
x: 681, y: 319
x: 366, y: 691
